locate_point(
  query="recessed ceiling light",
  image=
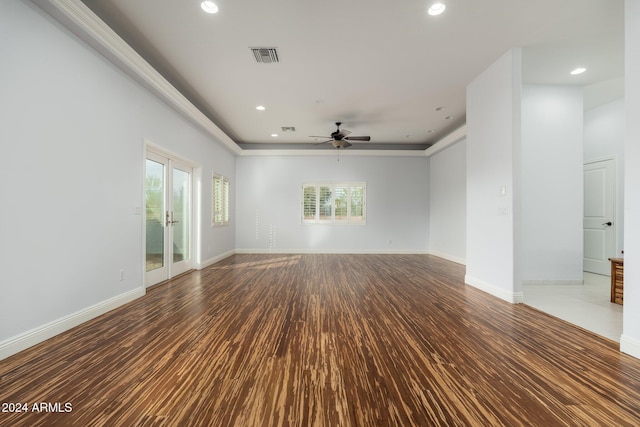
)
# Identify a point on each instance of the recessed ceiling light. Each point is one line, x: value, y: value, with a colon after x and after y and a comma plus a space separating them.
x: 436, y: 9
x: 578, y: 70
x: 439, y: 108
x: 275, y: 135
x: 430, y: 131
x: 448, y: 118
x: 209, y: 6
x: 260, y: 108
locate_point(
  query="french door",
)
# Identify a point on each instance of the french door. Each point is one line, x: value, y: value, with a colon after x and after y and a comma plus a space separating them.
x: 168, y: 201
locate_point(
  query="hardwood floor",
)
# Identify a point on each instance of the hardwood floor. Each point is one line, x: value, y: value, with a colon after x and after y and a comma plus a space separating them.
x: 323, y: 340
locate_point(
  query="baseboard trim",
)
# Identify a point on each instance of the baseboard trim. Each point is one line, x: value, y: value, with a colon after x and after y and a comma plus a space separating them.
x: 512, y: 297
x: 553, y: 282
x: 211, y: 261
x: 42, y: 333
x: 448, y: 257
x: 630, y: 346
x: 332, y: 251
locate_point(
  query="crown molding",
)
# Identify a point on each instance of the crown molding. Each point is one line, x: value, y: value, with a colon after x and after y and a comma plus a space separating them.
x: 448, y: 140
x: 81, y: 21
x: 332, y: 153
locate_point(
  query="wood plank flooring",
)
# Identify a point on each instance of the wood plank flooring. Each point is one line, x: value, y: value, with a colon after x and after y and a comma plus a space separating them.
x: 323, y: 340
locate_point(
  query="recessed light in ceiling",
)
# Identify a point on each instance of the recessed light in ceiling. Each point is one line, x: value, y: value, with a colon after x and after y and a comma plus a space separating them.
x: 578, y: 70
x: 275, y: 135
x: 430, y: 131
x: 261, y: 108
x: 209, y: 6
x: 436, y: 9
x: 448, y: 118
x: 439, y: 108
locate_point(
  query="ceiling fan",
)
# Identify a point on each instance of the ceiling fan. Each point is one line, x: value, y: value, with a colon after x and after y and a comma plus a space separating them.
x: 339, y: 138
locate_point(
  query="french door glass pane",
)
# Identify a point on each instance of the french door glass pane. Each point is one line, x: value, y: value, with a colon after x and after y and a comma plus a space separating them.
x: 180, y: 217
x: 155, y: 214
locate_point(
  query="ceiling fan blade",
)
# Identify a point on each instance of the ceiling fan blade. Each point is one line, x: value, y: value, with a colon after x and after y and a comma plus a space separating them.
x: 358, y: 138
x: 315, y: 136
x: 344, y: 132
x: 323, y: 142
x: 346, y: 144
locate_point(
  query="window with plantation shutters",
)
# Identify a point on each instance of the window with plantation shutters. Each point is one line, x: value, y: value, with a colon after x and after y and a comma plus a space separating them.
x: 337, y: 203
x: 309, y: 202
x: 220, y: 200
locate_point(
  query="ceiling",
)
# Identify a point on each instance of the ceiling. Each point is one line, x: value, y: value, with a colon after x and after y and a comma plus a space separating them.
x: 387, y: 70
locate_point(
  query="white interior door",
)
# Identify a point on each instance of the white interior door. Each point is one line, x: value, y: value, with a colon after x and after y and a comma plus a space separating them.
x: 599, y: 214
x: 168, y: 207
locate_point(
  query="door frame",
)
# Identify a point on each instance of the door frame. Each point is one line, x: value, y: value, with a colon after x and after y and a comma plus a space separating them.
x: 194, y: 240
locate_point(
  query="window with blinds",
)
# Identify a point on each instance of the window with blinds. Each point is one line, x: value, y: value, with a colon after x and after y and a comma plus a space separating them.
x: 220, y: 200
x: 340, y: 203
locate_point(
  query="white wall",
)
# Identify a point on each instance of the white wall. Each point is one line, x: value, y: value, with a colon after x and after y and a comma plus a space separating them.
x: 493, y: 133
x: 630, y: 340
x: 269, y: 204
x: 72, y: 128
x: 551, y: 184
x: 448, y: 203
x: 604, y: 134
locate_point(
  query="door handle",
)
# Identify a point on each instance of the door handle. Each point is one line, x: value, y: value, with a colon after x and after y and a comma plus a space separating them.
x: 169, y: 219
x: 609, y: 223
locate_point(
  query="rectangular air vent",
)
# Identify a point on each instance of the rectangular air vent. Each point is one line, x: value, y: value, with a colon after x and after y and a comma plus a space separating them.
x: 288, y: 129
x: 265, y: 55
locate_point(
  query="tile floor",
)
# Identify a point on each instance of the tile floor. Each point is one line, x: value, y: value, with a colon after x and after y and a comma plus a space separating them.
x: 585, y: 305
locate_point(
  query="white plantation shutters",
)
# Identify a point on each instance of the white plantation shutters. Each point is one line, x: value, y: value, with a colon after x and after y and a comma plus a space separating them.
x: 309, y: 202
x: 339, y: 203
x: 220, y: 200
x: 356, y: 203
x: 325, y: 203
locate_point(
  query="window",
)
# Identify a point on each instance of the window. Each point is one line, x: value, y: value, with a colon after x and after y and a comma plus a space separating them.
x: 340, y: 203
x: 220, y: 200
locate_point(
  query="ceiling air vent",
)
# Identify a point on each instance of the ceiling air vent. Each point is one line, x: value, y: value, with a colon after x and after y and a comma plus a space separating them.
x: 265, y: 55
x: 288, y: 129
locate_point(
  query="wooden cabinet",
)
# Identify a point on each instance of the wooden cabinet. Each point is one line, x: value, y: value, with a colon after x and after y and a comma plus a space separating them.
x: 617, y: 280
